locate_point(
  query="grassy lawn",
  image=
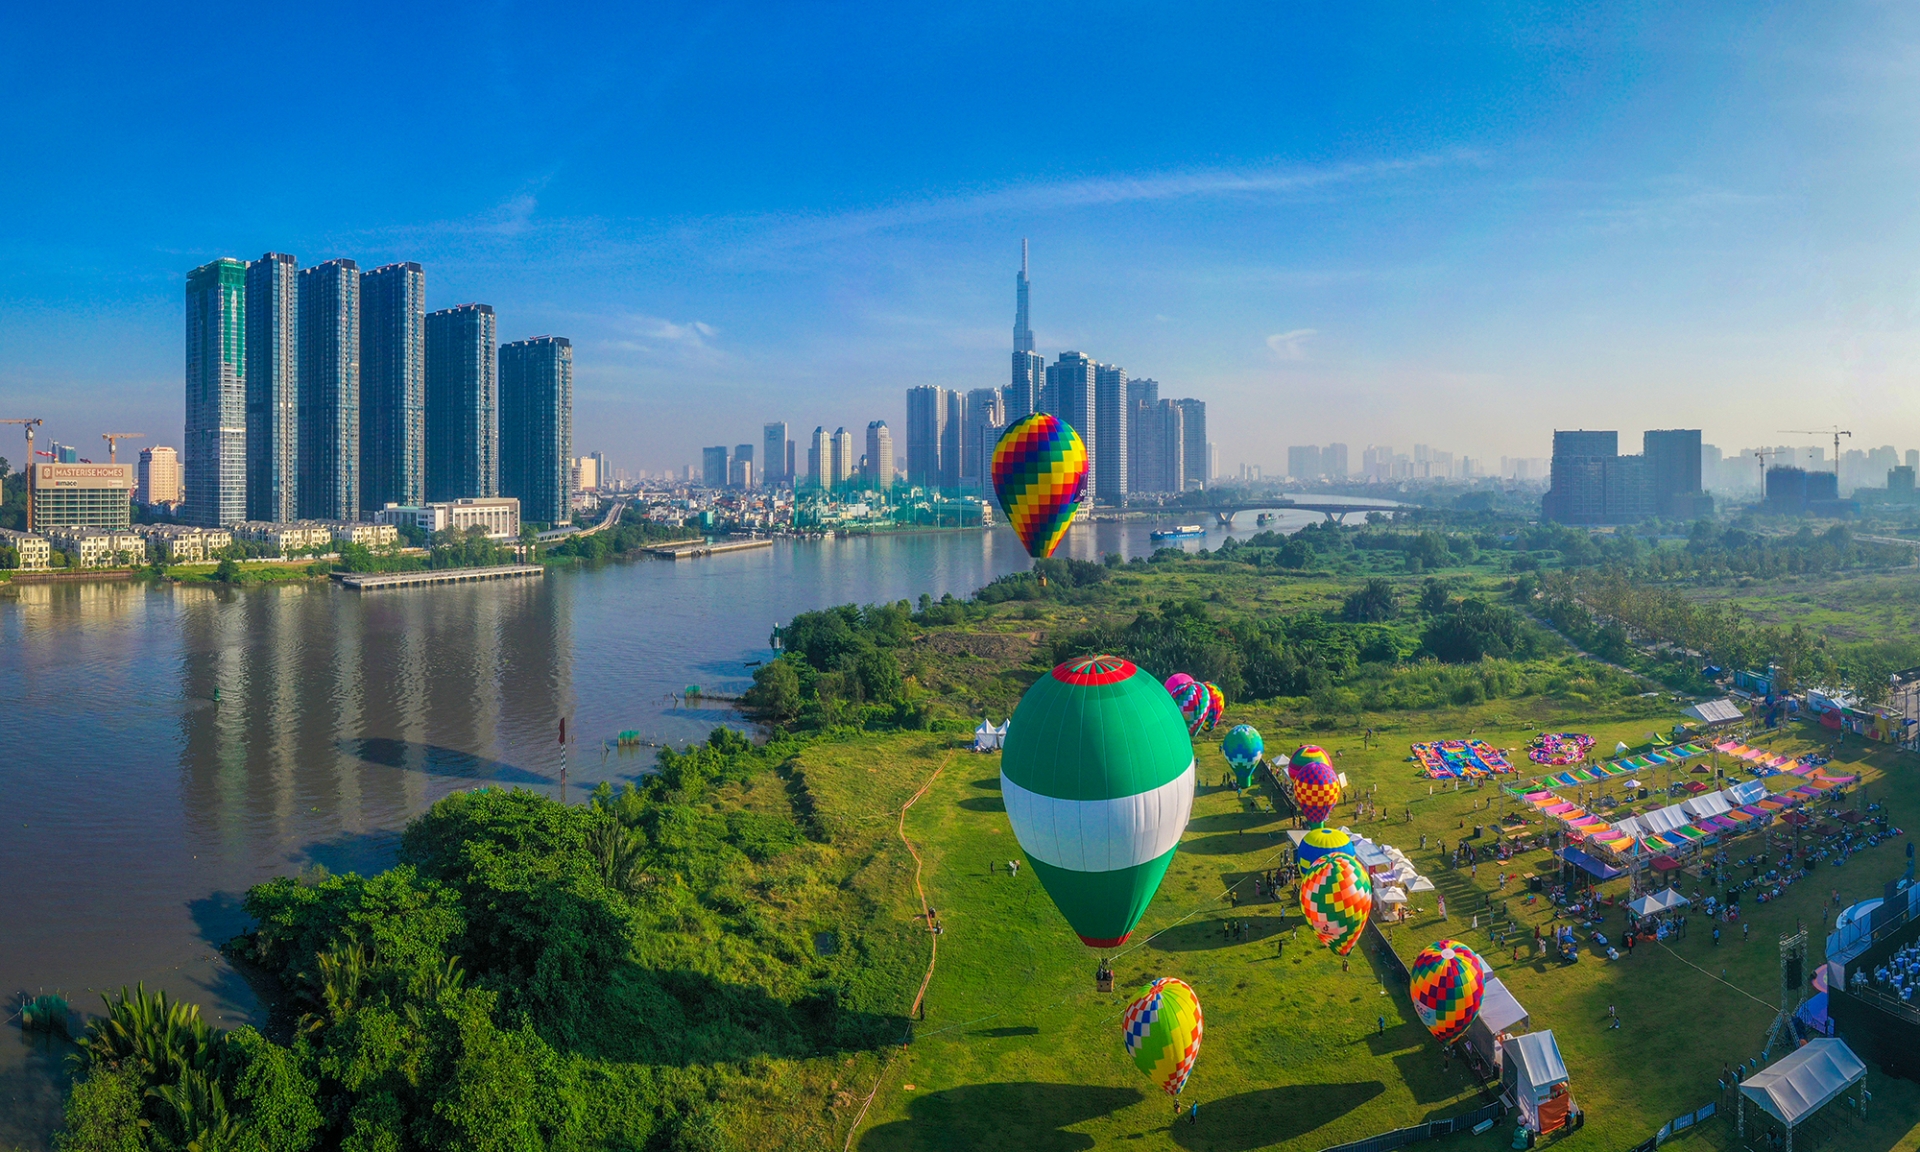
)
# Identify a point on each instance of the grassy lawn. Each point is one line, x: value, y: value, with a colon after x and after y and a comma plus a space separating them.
x: 1018, y: 1051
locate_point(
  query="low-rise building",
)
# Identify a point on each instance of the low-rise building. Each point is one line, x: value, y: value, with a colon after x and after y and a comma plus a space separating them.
x: 290, y: 537
x: 79, y: 496
x: 499, y: 516
x: 33, y: 549
x: 184, y: 543
x: 100, y: 547
x: 370, y: 535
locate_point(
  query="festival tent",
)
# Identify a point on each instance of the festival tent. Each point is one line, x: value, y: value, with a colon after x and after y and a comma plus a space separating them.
x: 1598, y: 869
x: 1666, y: 819
x: 1536, y: 1075
x: 1746, y: 793
x: 1800, y: 1083
x: 1702, y: 807
x: 1420, y: 884
x: 1391, y: 896
x: 1500, y: 1017
x: 987, y: 738
x: 1714, y: 713
x: 1654, y: 903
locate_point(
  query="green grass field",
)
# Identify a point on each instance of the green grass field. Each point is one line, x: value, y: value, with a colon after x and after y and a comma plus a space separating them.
x: 1017, y: 1050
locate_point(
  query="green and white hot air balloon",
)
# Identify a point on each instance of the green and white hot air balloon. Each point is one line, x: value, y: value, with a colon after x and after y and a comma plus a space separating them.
x: 1097, y: 775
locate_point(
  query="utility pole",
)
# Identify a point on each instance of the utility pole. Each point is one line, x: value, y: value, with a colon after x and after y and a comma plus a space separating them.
x: 27, y: 468
x: 113, y: 443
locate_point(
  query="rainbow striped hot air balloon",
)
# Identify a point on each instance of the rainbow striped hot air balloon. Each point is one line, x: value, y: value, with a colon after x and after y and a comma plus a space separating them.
x: 1316, y: 786
x: 1039, y: 476
x: 1321, y: 843
x: 1097, y: 774
x: 1216, y: 705
x: 1242, y: 747
x: 1336, y: 897
x: 1449, y: 980
x: 1162, y: 1030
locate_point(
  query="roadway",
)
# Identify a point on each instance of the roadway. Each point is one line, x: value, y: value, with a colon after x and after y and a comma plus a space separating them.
x: 609, y: 520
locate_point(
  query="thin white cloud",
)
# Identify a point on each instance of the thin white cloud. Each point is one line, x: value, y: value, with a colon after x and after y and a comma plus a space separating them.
x: 1291, y: 345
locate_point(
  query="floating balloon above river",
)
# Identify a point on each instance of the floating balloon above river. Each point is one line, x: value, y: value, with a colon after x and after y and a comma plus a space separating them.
x: 1162, y: 1030
x: 1449, y: 980
x: 1098, y: 777
x: 1039, y: 476
x: 1242, y: 747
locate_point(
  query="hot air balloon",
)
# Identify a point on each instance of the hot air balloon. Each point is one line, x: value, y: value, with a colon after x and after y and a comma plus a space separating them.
x: 1316, y: 786
x: 1176, y: 680
x: 1097, y: 774
x: 1320, y: 843
x: 1192, y: 699
x: 1162, y: 1030
x: 1448, y: 981
x: 1336, y: 897
x: 1242, y: 747
x: 1216, y: 704
x: 1039, y: 475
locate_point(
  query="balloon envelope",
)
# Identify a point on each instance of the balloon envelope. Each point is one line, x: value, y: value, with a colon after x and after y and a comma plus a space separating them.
x: 1162, y: 1030
x: 1242, y: 747
x: 1320, y: 843
x: 1191, y: 698
x: 1336, y: 897
x: 1449, y: 980
x: 1216, y: 704
x: 1176, y: 680
x: 1097, y: 774
x: 1316, y: 786
x: 1039, y: 476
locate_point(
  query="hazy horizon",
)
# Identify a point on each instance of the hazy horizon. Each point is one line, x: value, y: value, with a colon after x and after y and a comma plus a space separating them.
x: 1456, y: 228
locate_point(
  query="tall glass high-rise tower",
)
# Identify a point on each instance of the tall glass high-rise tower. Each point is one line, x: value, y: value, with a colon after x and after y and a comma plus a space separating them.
x: 273, y: 389
x: 463, y: 428
x: 329, y: 487
x: 393, y: 386
x: 216, y: 430
x: 536, y: 427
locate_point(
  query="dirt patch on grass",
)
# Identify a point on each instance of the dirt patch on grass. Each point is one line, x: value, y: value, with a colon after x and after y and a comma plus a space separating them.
x: 1000, y: 647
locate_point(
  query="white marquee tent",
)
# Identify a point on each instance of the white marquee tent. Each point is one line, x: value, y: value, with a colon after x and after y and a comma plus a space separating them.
x: 1799, y: 1084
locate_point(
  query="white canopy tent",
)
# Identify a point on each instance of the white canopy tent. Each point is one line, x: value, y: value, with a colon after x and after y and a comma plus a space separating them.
x: 1741, y: 794
x: 1709, y: 805
x: 1714, y: 712
x: 1531, y: 1066
x: 1654, y: 903
x: 1420, y: 884
x: 1500, y: 1014
x: 988, y: 738
x: 1800, y: 1083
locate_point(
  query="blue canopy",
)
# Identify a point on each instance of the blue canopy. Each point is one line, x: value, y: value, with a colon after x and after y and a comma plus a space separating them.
x: 1599, y: 869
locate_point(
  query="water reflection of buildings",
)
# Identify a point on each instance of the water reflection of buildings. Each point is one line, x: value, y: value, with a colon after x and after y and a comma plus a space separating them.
x: 315, y: 716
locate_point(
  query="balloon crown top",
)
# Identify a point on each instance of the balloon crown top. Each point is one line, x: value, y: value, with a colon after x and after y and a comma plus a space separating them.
x: 1086, y: 670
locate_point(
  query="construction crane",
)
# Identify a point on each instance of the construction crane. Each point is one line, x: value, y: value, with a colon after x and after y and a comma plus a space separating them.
x: 28, y: 466
x: 113, y: 443
x: 1836, y: 433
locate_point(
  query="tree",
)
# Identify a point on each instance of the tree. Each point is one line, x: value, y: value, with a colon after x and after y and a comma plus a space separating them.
x: 776, y: 691
x: 1371, y: 604
x: 1473, y: 630
x: 227, y: 572
x: 1434, y: 597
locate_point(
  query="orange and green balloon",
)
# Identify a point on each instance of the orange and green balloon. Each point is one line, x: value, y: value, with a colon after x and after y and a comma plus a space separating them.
x: 1040, y: 476
x: 1336, y: 897
x: 1162, y: 1030
x: 1449, y: 980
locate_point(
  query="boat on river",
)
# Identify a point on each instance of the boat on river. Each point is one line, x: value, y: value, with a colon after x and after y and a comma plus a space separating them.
x: 1178, y: 532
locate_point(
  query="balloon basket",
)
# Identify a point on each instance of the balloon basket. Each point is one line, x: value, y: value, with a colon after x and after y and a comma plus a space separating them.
x: 1103, y: 977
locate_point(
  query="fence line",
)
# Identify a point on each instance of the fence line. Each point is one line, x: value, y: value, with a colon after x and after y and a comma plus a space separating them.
x: 1401, y: 1137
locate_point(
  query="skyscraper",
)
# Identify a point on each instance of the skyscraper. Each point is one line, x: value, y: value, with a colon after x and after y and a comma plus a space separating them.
x: 1160, y: 448
x: 1022, y: 332
x: 926, y: 428
x: 775, y: 454
x: 330, y: 391
x: 1673, y: 459
x: 1110, y: 424
x: 738, y: 476
x: 951, y: 434
x: 819, y: 458
x: 879, y: 455
x: 393, y: 387
x: 216, y: 431
x: 273, y: 389
x: 1022, y: 396
x: 715, y: 466
x: 463, y: 398
x: 536, y: 426
x: 841, y: 467
x: 983, y: 422
x: 1072, y: 381
x: 159, y: 476
x: 1196, y: 453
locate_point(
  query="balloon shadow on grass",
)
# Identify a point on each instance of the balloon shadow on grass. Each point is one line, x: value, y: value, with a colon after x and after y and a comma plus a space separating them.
x: 1231, y: 822
x: 984, y: 804
x: 1206, y: 935
x: 1271, y: 1115
x: 988, y: 783
x: 1233, y: 844
x: 1028, y: 1117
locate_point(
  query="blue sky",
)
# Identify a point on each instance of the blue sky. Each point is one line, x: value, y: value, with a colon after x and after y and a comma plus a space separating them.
x: 1456, y: 225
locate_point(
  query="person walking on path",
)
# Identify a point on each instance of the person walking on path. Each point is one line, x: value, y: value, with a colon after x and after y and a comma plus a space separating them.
x: 1716, y: 937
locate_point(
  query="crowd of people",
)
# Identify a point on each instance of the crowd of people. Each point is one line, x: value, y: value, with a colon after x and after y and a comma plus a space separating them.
x: 1900, y: 973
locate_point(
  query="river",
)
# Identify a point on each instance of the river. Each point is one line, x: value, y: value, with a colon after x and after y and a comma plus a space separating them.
x: 170, y: 746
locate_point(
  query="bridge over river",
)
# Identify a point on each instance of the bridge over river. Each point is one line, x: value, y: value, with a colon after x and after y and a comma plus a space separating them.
x: 1333, y: 508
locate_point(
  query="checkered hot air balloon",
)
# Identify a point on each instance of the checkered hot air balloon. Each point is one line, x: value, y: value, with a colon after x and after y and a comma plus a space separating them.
x: 1316, y: 786
x: 1336, y: 897
x: 1039, y: 476
x: 1162, y: 1031
x: 1242, y: 747
x: 1176, y: 680
x: 1449, y: 981
x: 1191, y: 698
x: 1098, y: 777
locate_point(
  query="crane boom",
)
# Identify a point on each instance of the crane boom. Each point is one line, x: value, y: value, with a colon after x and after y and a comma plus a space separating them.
x: 113, y: 443
x: 1836, y: 432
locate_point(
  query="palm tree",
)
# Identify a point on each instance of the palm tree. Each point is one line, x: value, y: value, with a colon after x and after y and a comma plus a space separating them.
x: 167, y: 1036
x: 197, y: 1110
